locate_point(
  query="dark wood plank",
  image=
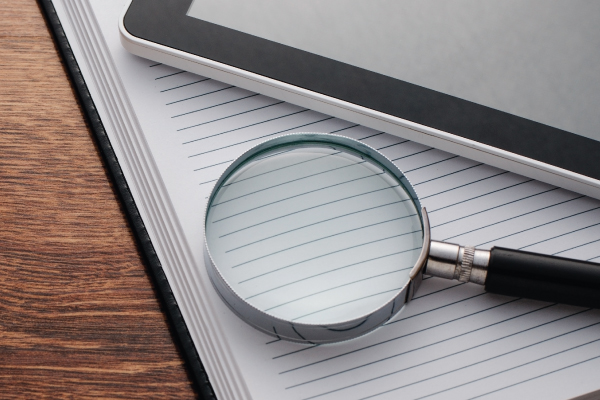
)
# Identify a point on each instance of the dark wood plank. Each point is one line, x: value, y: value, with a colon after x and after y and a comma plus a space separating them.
x: 78, y: 315
x: 21, y: 18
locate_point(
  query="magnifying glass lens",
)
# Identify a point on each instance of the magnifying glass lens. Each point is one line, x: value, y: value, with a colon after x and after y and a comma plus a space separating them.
x: 313, y: 233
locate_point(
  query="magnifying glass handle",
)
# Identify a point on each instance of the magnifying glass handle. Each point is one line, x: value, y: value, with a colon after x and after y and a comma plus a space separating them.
x: 541, y: 277
x: 519, y: 273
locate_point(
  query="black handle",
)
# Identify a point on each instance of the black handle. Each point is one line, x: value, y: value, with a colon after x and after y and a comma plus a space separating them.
x: 548, y: 278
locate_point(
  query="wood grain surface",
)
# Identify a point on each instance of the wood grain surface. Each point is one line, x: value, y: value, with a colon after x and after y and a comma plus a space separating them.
x: 78, y: 315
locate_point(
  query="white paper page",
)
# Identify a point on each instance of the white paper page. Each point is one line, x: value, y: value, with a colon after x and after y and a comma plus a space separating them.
x: 147, y: 188
x: 453, y: 340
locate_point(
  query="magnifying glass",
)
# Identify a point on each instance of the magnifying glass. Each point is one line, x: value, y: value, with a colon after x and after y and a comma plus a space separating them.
x: 319, y: 238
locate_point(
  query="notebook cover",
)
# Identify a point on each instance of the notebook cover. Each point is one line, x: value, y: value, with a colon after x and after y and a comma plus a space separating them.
x: 178, y: 328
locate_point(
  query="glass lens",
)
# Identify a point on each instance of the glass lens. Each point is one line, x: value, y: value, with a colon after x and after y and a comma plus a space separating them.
x: 313, y: 233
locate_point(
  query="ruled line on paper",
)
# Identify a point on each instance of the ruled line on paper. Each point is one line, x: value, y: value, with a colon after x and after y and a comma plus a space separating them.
x: 324, y: 237
x: 169, y: 75
x: 494, y: 207
x: 223, y: 118
x: 346, y: 302
x: 392, y: 145
x: 291, y: 181
x: 336, y: 234
x: 271, y: 171
x: 296, y: 351
x: 213, y: 165
x: 344, y: 129
x: 327, y: 237
x: 302, y: 194
x: 313, y: 224
x: 260, y: 137
x: 538, y: 226
x: 512, y: 218
x: 200, y: 95
x: 443, y: 176
x: 413, y: 154
x: 574, y: 247
x: 324, y: 273
x: 370, y: 136
x: 326, y: 254
x: 433, y: 163
x: 215, y: 105
x: 436, y: 308
x: 333, y: 288
x: 308, y: 208
x: 470, y: 198
x: 454, y: 285
x: 184, y: 85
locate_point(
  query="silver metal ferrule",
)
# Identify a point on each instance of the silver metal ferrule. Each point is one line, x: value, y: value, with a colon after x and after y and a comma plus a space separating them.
x: 452, y: 261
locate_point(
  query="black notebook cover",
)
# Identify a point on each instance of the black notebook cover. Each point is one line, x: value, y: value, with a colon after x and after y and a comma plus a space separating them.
x: 179, y: 329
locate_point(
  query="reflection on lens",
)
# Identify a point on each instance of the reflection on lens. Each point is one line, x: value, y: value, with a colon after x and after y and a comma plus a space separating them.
x: 313, y: 233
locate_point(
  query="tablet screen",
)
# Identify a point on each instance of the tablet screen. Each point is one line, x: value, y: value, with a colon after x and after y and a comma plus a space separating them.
x: 533, y: 59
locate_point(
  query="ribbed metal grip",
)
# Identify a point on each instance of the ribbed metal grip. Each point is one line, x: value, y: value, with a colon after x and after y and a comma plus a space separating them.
x: 466, y: 264
x: 463, y: 263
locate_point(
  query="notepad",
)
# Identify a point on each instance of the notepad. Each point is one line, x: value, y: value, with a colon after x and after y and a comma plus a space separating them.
x: 174, y: 133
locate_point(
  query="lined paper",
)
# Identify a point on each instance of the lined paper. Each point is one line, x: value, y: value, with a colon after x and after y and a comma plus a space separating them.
x: 452, y: 341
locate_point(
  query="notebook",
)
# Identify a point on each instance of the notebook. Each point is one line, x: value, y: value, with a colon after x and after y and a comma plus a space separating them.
x: 167, y: 134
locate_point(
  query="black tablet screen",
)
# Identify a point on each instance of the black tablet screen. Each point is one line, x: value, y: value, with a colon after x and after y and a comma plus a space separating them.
x: 534, y: 59
x: 521, y: 76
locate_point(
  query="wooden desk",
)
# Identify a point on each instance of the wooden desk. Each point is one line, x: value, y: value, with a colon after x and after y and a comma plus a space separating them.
x: 78, y: 314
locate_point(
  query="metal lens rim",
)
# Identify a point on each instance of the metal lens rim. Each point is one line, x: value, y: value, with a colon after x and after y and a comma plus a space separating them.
x: 311, y: 332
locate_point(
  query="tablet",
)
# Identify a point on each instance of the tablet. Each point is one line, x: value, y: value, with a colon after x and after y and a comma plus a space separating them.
x: 515, y: 84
